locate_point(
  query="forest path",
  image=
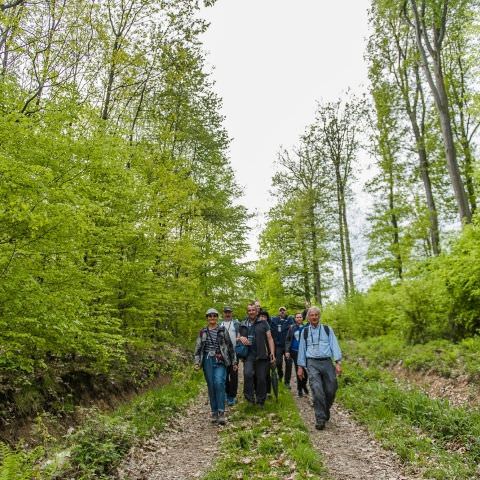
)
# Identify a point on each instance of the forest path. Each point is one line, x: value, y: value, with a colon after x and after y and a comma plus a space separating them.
x: 348, y: 450
x: 184, y: 450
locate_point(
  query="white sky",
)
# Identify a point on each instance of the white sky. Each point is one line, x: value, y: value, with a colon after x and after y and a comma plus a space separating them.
x: 273, y: 59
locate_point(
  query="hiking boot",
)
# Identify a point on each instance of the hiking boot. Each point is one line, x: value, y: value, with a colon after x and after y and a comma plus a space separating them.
x: 320, y: 426
x: 221, y: 418
x: 300, y: 393
x: 214, y: 417
x: 305, y: 389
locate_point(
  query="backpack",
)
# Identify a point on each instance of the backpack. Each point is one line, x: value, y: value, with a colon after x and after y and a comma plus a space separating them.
x: 305, y: 331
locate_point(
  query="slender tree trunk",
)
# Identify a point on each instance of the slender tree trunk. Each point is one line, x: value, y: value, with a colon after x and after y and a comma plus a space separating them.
x: 111, y: 78
x: 348, y: 248
x: 305, y: 275
x: 394, y: 222
x: 436, y: 82
x: 317, y: 284
x: 342, y: 237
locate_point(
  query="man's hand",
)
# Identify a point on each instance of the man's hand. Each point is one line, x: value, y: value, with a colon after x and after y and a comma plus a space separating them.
x: 300, y: 373
x: 287, y: 355
x: 338, y: 369
x: 272, y: 359
x: 245, y: 341
x: 197, y: 366
x: 235, y: 367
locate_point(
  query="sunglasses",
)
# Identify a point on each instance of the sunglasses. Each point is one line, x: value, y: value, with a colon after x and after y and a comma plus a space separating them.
x: 212, y: 315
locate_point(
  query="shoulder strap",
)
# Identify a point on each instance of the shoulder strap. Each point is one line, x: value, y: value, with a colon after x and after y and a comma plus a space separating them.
x: 305, y: 331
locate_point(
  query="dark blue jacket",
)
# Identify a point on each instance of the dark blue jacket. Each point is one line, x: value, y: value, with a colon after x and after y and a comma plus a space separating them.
x: 280, y: 329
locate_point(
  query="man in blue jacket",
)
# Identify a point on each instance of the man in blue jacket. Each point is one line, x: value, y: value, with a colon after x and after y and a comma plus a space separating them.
x: 318, y: 347
x: 280, y: 326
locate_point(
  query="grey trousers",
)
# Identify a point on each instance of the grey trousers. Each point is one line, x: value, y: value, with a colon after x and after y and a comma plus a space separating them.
x: 323, y: 385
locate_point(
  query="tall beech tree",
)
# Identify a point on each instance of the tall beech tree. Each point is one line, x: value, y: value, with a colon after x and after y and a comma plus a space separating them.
x: 431, y: 20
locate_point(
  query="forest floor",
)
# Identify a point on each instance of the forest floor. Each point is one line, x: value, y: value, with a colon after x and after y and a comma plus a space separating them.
x: 186, y: 448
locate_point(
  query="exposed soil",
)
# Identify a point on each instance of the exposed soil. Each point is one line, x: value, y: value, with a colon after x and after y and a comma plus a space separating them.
x: 458, y: 391
x: 348, y: 450
x: 182, y: 451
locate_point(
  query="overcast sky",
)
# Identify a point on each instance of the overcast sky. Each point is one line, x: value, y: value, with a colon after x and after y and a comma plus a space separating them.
x: 273, y: 59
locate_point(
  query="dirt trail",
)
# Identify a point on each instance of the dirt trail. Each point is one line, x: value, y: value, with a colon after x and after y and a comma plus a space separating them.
x: 182, y: 451
x: 349, y: 452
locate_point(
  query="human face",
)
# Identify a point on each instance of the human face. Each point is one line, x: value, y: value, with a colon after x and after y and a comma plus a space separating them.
x: 298, y: 319
x: 252, y: 312
x: 282, y: 313
x: 314, y: 318
x: 212, y: 319
x: 257, y: 306
x: 227, y: 315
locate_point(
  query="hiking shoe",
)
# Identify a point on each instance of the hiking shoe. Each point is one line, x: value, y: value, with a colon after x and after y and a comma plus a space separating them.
x: 320, y: 426
x: 221, y: 418
x: 214, y: 417
x: 305, y: 389
x: 300, y: 393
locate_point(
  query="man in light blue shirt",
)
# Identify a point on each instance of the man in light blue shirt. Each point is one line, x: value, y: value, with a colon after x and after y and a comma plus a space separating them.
x: 318, y: 346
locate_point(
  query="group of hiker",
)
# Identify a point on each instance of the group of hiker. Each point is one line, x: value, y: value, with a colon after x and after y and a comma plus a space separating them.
x: 262, y: 343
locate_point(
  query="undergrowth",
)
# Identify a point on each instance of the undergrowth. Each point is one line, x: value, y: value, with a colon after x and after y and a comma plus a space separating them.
x: 268, y: 443
x: 428, y: 434
x: 442, y: 357
x: 95, y: 450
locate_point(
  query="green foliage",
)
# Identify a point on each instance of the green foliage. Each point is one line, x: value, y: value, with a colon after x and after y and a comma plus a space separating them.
x: 119, y: 223
x: 271, y: 443
x: 426, y: 433
x: 441, y: 357
x: 440, y: 299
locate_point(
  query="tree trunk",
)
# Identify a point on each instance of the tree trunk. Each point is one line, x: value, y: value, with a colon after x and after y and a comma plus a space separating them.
x: 394, y: 222
x: 317, y: 284
x: 348, y: 249
x: 342, y: 236
x: 436, y: 82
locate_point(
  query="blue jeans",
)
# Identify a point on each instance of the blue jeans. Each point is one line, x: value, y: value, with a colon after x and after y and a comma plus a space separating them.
x: 215, y: 375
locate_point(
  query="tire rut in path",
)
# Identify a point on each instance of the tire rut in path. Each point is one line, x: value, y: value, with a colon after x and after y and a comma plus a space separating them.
x: 182, y: 451
x: 348, y: 450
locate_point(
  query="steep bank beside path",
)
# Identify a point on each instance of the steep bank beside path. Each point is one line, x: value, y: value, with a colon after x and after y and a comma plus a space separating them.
x: 182, y: 451
x: 348, y: 450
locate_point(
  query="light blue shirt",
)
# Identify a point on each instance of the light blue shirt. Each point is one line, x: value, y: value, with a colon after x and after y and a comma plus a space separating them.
x: 318, y: 345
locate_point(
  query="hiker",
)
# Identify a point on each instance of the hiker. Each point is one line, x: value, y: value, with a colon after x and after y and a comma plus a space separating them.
x: 280, y: 326
x: 214, y: 352
x: 292, y: 342
x: 318, y: 345
x: 255, y: 332
x: 231, y: 384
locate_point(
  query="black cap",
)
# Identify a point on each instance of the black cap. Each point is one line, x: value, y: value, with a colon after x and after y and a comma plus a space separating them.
x: 227, y: 309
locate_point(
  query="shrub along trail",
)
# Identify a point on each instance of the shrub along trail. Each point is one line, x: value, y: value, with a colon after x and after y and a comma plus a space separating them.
x: 182, y: 451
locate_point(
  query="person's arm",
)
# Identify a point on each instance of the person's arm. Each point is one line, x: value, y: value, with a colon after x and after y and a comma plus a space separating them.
x: 241, y: 338
x: 198, y: 348
x: 336, y: 352
x: 271, y: 345
x: 288, y: 341
x: 302, y: 355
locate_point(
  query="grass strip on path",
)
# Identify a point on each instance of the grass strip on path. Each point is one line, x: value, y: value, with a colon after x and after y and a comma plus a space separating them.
x: 267, y: 443
x: 428, y: 434
x: 96, y: 449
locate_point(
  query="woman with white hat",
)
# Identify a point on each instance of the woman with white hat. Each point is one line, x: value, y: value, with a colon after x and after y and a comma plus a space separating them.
x: 214, y: 352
